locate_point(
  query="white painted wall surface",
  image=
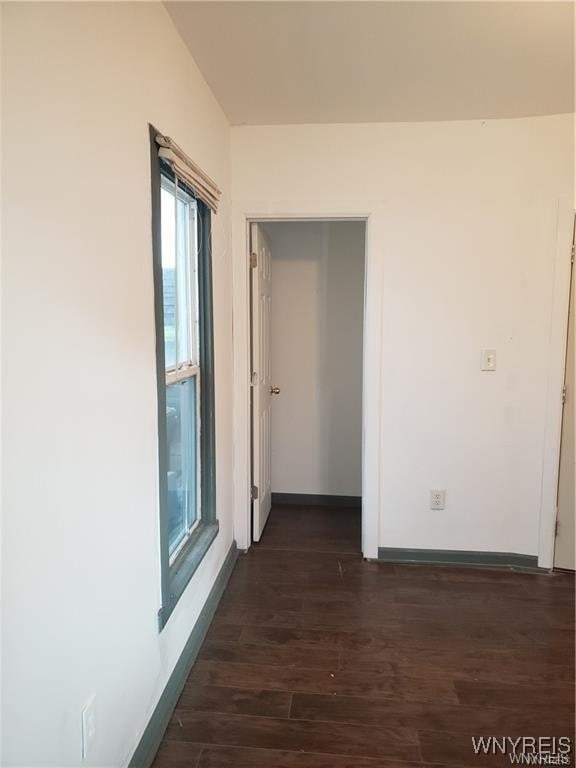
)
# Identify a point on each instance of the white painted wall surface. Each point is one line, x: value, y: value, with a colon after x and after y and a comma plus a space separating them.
x: 316, y: 335
x: 80, y: 559
x: 462, y: 234
x: 1, y: 380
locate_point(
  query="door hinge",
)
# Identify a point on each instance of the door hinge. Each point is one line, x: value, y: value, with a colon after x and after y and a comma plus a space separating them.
x: 573, y: 253
x: 564, y: 394
x: 254, y: 492
x: 253, y: 261
x: 556, y: 527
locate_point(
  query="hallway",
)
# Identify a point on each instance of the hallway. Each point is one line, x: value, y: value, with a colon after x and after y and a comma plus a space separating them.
x: 317, y: 659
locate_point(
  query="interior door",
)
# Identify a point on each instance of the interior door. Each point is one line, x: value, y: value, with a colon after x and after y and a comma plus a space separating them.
x: 564, y: 548
x: 260, y: 262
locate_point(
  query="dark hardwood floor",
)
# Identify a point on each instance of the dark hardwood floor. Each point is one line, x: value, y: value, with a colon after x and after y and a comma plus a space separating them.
x: 317, y: 659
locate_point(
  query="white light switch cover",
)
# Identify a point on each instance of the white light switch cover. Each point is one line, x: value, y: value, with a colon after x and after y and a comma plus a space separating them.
x: 488, y: 361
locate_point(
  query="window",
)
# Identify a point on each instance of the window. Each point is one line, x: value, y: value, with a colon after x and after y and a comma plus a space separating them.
x: 183, y: 312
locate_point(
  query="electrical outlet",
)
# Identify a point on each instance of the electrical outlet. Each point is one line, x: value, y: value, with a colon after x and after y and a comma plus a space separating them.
x: 437, y: 499
x: 88, y: 727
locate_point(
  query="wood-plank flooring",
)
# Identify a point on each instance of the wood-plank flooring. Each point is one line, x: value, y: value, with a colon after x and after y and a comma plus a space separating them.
x: 317, y: 659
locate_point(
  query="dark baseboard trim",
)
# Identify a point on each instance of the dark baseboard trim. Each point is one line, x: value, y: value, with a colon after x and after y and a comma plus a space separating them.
x: 316, y: 500
x: 151, y: 738
x: 459, y: 557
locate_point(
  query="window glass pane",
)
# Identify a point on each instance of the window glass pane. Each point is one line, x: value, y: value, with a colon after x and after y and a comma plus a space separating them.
x: 179, y: 260
x: 194, y: 316
x: 182, y: 458
x: 168, y: 231
x: 183, y: 286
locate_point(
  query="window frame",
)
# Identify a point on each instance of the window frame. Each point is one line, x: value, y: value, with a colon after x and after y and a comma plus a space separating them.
x: 185, y: 367
x: 175, y: 576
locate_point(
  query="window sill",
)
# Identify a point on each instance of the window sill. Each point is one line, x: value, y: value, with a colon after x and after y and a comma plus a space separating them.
x: 185, y: 565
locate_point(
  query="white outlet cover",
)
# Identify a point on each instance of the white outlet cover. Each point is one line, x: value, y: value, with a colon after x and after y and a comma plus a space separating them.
x: 437, y: 499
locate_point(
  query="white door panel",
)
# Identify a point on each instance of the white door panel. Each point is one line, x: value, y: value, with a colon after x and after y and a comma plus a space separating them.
x: 261, y: 381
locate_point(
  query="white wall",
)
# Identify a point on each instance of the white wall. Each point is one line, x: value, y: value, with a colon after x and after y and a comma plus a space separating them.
x: 460, y: 256
x: 316, y: 342
x: 80, y: 553
x: 1, y: 380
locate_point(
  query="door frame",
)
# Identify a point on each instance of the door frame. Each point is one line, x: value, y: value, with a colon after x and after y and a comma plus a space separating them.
x: 555, y: 382
x: 371, y: 384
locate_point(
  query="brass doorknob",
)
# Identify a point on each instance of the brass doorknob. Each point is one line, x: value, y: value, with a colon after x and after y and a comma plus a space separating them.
x: 274, y: 390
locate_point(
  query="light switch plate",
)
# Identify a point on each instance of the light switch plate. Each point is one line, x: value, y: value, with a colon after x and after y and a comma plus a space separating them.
x: 488, y: 360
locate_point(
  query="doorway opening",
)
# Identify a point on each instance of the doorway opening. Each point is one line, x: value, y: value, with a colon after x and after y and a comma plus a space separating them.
x: 307, y: 289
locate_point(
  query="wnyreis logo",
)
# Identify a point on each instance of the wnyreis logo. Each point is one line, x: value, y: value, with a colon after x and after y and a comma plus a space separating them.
x: 526, y: 750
